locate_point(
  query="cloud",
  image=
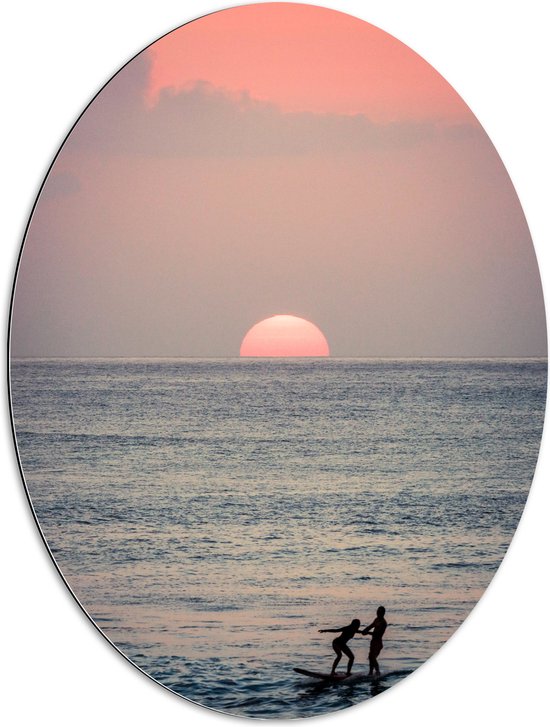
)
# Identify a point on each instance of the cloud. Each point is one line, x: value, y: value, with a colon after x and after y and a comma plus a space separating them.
x: 60, y: 184
x: 202, y: 120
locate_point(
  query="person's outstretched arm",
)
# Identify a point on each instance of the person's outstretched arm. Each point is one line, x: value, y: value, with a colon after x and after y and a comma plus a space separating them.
x: 366, y: 630
x: 330, y: 631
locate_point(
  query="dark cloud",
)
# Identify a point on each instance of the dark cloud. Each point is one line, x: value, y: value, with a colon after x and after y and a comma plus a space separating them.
x: 203, y: 120
x: 61, y: 184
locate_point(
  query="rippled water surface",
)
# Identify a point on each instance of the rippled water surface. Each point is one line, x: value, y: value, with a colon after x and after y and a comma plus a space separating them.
x: 212, y: 515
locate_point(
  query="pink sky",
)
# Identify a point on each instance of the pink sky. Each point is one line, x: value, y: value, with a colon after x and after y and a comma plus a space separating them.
x: 278, y: 158
x: 305, y: 58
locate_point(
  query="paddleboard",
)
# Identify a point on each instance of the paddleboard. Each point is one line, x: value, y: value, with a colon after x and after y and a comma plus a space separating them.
x: 342, y: 676
x: 328, y: 677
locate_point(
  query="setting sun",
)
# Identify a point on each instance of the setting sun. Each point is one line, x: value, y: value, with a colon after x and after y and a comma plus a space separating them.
x: 284, y: 335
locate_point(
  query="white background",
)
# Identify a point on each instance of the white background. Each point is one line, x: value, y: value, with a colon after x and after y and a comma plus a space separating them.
x: 56, y: 668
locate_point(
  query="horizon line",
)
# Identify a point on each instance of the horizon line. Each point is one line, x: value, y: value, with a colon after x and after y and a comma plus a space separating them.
x: 481, y: 357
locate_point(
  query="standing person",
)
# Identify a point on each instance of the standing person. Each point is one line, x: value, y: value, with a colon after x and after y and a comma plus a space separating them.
x: 378, y: 626
x: 340, y: 643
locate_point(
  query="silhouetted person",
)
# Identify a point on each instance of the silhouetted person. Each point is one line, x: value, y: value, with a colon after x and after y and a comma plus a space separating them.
x: 377, y: 628
x: 340, y: 643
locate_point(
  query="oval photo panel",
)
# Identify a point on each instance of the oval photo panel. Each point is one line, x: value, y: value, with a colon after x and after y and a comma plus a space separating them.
x: 278, y: 361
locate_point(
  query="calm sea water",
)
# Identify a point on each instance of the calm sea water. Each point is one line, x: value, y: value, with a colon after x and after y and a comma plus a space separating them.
x: 212, y: 515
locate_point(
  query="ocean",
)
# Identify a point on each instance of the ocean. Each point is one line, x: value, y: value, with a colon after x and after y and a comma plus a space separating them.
x: 211, y: 515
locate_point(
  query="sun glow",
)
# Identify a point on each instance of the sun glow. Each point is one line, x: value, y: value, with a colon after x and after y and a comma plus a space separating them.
x: 284, y: 335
